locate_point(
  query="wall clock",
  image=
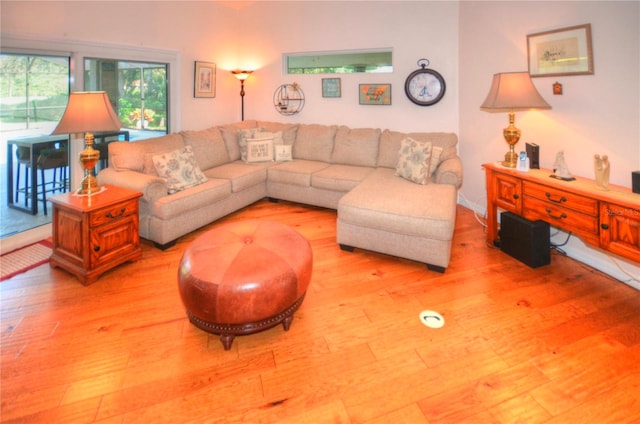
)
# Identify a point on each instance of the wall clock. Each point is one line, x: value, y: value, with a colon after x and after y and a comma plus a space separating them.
x: 425, y: 87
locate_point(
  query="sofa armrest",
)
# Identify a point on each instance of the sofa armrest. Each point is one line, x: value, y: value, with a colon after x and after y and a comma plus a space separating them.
x: 151, y: 186
x: 449, y: 171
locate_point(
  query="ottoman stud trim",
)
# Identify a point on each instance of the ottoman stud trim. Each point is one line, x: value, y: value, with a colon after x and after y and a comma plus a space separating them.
x: 227, y: 332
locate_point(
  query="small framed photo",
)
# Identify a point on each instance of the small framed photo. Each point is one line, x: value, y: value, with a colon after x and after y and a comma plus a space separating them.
x: 331, y: 87
x: 565, y: 51
x: 204, y: 84
x: 375, y: 94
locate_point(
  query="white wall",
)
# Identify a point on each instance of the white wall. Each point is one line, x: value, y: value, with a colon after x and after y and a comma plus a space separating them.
x: 255, y: 35
x: 598, y: 113
x: 412, y: 29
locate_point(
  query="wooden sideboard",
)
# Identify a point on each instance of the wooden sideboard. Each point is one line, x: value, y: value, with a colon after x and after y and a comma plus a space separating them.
x: 605, y: 218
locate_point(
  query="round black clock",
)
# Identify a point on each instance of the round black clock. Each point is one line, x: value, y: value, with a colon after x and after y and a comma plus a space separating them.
x: 425, y: 87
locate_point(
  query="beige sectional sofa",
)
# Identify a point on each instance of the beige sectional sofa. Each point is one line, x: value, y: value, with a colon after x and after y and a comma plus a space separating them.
x: 350, y: 170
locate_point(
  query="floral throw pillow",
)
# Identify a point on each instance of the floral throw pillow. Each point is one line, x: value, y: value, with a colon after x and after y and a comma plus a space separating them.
x: 413, y: 163
x: 179, y: 168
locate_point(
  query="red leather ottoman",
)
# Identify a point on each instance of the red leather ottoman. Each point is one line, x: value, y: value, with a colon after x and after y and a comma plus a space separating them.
x: 244, y: 277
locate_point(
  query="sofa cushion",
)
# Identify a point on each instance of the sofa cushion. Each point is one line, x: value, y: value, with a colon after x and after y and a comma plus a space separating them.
x: 289, y: 131
x: 431, y: 212
x: 179, y: 168
x: 240, y: 174
x: 413, y: 160
x: 297, y: 172
x: 193, y: 198
x: 133, y: 155
x: 157, y: 145
x: 124, y: 155
x: 230, y: 135
x: 358, y: 147
x: 314, y: 142
x: 390, y: 146
x: 208, y: 147
x: 339, y: 177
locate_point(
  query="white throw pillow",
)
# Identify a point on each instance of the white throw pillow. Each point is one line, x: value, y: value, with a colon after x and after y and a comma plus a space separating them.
x: 282, y: 152
x: 179, y: 168
x: 414, y: 160
x: 259, y: 150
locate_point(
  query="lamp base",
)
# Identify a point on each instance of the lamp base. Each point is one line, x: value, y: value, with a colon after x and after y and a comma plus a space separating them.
x: 89, y: 185
x: 510, y: 159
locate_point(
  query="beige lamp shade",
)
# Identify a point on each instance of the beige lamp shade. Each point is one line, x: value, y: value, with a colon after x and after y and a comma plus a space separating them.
x: 88, y: 111
x: 509, y: 92
x: 241, y: 75
x: 513, y: 91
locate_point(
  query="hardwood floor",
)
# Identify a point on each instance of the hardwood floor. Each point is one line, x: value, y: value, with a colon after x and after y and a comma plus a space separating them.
x: 556, y: 344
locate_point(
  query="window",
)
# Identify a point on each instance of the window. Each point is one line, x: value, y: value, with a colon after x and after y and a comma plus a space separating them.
x: 33, y: 90
x: 137, y: 90
x: 339, y: 62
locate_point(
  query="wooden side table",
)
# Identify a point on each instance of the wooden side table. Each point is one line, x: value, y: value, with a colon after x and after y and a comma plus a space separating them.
x: 92, y: 234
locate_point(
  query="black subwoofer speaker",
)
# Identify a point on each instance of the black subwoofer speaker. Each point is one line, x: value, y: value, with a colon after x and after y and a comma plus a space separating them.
x: 527, y: 241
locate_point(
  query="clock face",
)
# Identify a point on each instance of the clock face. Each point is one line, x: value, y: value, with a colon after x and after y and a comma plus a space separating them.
x: 425, y: 87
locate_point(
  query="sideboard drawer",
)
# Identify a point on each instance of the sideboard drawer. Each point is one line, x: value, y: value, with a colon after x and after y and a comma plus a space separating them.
x: 556, y: 197
x: 560, y: 216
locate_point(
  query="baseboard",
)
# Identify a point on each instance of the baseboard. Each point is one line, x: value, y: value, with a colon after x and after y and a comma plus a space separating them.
x: 25, y: 238
x: 598, y: 259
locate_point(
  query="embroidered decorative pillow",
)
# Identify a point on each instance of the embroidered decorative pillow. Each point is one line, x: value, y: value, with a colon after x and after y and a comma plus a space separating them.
x: 250, y: 133
x: 413, y: 163
x: 179, y: 168
x: 259, y: 150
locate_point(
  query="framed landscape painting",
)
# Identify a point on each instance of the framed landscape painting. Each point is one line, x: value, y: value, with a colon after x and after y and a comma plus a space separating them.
x: 565, y: 51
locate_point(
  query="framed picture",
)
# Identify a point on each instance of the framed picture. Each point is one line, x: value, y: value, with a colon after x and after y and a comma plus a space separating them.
x: 565, y: 51
x: 204, y: 84
x: 375, y: 94
x: 331, y: 87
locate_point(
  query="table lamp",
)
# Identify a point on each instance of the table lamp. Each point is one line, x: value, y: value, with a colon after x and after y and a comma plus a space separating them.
x: 509, y: 92
x: 242, y: 75
x: 86, y: 112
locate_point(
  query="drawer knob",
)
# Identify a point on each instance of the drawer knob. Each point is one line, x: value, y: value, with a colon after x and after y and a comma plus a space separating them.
x: 96, y: 248
x: 516, y: 196
x: 604, y: 226
x: 561, y: 216
x: 560, y: 200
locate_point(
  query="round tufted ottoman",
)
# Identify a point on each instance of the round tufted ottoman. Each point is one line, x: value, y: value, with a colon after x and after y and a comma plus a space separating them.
x: 244, y: 277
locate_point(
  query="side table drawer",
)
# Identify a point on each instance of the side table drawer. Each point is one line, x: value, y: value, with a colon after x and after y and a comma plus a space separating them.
x: 561, y: 198
x: 560, y: 216
x: 106, y: 215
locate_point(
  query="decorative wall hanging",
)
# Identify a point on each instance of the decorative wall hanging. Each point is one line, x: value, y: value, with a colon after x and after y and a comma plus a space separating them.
x: 331, y: 87
x: 425, y: 87
x: 375, y: 94
x: 565, y: 51
x: 288, y: 99
x: 204, y: 81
